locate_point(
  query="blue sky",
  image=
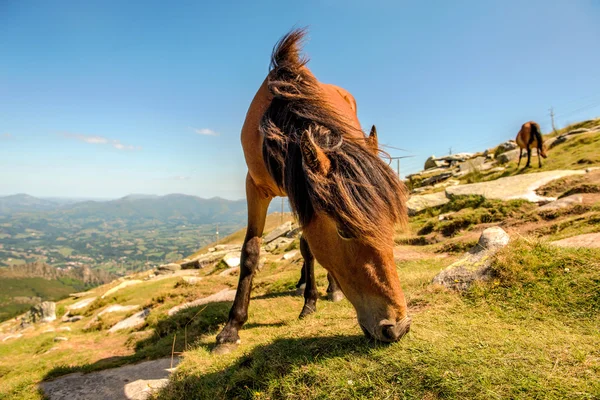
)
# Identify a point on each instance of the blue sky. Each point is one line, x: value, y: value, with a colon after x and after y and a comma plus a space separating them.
x: 106, y: 98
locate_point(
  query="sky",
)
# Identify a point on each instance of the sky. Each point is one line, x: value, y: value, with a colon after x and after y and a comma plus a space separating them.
x: 100, y: 99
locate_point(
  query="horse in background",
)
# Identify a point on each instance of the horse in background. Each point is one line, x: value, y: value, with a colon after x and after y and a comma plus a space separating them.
x: 302, y: 139
x: 530, y: 137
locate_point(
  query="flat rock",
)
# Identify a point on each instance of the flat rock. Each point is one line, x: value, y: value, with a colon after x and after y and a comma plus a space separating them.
x: 60, y: 339
x: 565, y: 202
x: 169, y: 268
x: 120, y: 286
x: 190, y: 264
x: 73, y: 318
x: 223, y: 295
x: 229, y: 271
x: 279, y: 243
x: 117, y: 308
x: 475, y: 265
x: 81, y: 304
x: 135, y: 320
x: 137, y: 382
x: 512, y: 187
x: 589, y: 240
x: 506, y: 146
x: 192, y: 280
x: 474, y: 164
x: 511, y: 155
x: 281, y: 230
x: 420, y: 202
x: 79, y: 294
x: 290, y: 255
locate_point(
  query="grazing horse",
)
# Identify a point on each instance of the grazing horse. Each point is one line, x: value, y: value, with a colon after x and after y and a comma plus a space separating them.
x: 530, y: 137
x: 302, y: 139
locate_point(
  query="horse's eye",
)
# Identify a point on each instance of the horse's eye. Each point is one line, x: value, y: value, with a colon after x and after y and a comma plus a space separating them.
x: 344, y: 234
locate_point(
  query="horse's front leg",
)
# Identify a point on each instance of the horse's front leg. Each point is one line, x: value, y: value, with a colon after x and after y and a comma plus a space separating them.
x: 539, y: 158
x: 334, y: 293
x: 257, y: 212
x: 528, y: 157
x: 310, y: 290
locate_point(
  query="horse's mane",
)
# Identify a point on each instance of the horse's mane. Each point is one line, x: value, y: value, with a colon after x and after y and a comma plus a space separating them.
x: 360, y: 191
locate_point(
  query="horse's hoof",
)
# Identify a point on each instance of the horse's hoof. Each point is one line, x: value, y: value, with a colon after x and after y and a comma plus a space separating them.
x: 307, y: 310
x: 224, y: 348
x: 335, y: 296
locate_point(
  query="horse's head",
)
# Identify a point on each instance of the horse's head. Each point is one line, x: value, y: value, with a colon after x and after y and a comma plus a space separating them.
x: 357, y: 201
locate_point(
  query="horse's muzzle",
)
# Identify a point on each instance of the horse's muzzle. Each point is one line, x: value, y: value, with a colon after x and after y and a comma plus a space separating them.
x: 389, y: 332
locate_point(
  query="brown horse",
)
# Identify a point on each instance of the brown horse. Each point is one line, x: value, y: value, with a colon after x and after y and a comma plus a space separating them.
x: 530, y: 137
x: 302, y: 138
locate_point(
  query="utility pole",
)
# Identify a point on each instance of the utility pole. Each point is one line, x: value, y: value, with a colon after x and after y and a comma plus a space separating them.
x: 552, y: 118
x: 450, y: 151
x: 398, y: 163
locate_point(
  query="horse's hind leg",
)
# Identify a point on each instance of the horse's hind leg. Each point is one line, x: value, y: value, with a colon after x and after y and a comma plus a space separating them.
x: 520, y: 155
x: 334, y: 293
x: 310, y: 291
x: 301, y: 285
x: 539, y: 158
x: 528, y: 157
x: 257, y: 212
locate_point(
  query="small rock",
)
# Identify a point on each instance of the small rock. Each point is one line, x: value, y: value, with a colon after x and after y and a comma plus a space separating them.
x: 223, y: 295
x: 508, y: 156
x: 64, y: 329
x: 436, y: 178
x: 506, y: 146
x: 73, y: 318
x: 563, y: 203
x: 117, y: 308
x: 43, y: 312
x: 280, y: 243
x: 281, y: 230
x: 190, y: 264
x: 290, y: 255
x: 60, y: 339
x: 16, y: 336
x: 471, y: 165
x: 232, y: 260
x: 192, y: 280
x: 169, y: 268
x: 211, y: 249
x: 475, y: 266
x: 230, y: 271
x: 132, y: 322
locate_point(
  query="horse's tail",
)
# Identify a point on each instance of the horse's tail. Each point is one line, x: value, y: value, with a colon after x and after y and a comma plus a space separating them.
x: 535, y: 132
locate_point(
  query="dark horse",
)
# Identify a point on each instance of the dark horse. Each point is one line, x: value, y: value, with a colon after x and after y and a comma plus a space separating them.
x: 530, y: 137
x: 302, y: 138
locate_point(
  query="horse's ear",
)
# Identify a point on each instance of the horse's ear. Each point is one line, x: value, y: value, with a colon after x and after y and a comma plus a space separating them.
x: 313, y: 156
x: 372, y: 140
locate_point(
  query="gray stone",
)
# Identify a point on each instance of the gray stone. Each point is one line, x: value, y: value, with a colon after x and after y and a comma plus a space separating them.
x: 419, y: 203
x: 506, y: 146
x: 190, y: 264
x: 565, y: 202
x: 281, y: 230
x: 60, y: 339
x: 81, y: 304
x: 171, y: 267
x: 192, y: 280
x: 43, y: 312
x: 436, y: 178
x: 230, y: 271
x: 589, y: 240
x: 74, y: 318
x: 130, y: 382
x: 232, y: 260
x: 513, y: 187
x: 223, y: 295
x: 279, y: 243
x: 294, y: 233
x: 475, y: 266
x: 120, y: 286
x: 117, y: 308
x: 430, y: 163
x: 508, y: 156
x: 454, y: 158
x: 471, y: 165
x: 132, y: 322
x: 290, y: 255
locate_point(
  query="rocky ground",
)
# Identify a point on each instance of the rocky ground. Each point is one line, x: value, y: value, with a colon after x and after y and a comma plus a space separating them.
x: 461, y: 263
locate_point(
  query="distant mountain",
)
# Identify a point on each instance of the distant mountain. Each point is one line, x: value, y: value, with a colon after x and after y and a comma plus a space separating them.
x: 21, y: 202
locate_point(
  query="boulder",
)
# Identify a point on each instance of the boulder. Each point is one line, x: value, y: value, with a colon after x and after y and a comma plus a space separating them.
x: 134, y: 321
x: 294, y: 233
x: 74, y: 318
x: 419, y: 203
x: 278, y: 232
x: 290, y: 255
x: 475, y: 265
x: 169, y: 268
x: 508, y: 156
x: 506, y: 146
x: 430, y: 163
x: 190, y: 264
x: 117, y: 308
x: 436, y: 178
x: 60, y: 339
x: 43, y: 312
x: 454, y: 158
x: 474, y: 164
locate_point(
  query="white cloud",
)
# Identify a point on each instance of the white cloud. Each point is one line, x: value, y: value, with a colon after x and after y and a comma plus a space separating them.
x: 6, y: 136
x: 91, y: 139
x: 205, y: 131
